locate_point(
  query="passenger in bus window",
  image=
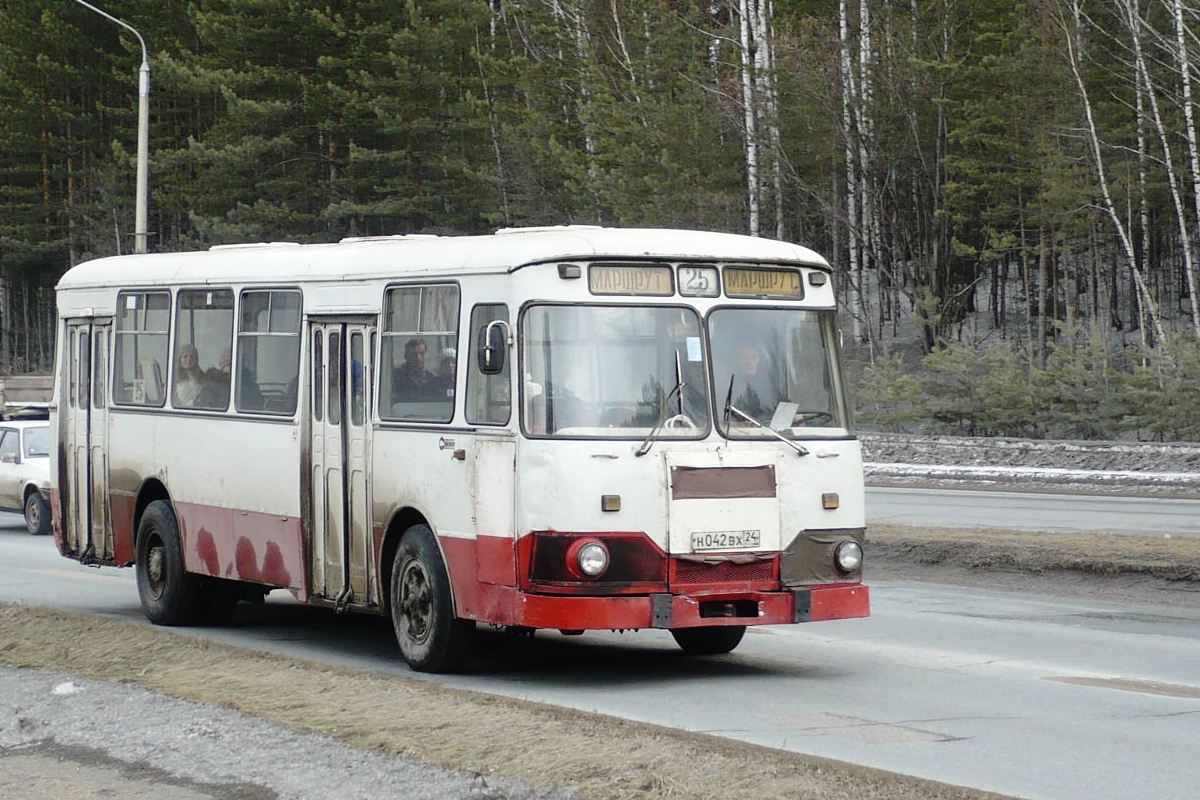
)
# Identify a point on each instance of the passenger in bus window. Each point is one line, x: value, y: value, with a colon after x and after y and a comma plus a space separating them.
x: 215, y: 393
x: 447, y: 371
x: 189, y: 379
x: 412, y: 381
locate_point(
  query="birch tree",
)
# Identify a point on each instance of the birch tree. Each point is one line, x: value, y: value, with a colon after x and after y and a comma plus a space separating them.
x: 1134, y: 21
x: 1070, y: 28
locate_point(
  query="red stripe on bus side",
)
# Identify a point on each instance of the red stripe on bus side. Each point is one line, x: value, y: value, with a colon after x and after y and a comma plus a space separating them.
x: 243, y: 545
x: 121, y: 508
x: 474, y: 598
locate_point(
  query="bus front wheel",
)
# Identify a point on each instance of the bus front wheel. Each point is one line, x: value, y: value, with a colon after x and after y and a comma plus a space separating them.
x: 709, y: 641
x: 431, y: 638
x: 169, y: 594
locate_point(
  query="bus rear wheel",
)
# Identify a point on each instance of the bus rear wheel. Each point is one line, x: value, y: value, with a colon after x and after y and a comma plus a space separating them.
x: 169, y: 594
x: 710, y: 641
x: 431, y: 638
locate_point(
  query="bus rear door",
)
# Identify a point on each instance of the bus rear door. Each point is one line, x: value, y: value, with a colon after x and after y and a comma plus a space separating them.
x: 87, y: 531
x: 340, y: 354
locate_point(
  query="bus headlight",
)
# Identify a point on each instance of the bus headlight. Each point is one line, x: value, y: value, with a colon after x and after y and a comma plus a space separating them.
x: 591, y: 558
x: 848, y: 556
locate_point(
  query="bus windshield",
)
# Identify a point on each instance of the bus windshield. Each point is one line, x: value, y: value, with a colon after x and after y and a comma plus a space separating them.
x: 778, y: 366
x: 608, y: 371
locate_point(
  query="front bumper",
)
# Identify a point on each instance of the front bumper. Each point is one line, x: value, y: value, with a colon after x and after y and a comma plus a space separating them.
x: 809, y: 604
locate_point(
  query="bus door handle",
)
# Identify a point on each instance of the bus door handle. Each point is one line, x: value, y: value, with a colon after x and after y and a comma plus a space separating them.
x: 458, y: 454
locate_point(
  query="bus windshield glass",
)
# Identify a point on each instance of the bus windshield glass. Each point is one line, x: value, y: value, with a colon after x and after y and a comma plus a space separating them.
x: 782, y: 366
x: 610, y: 372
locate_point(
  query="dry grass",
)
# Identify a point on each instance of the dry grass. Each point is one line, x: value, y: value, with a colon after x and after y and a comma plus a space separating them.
x: 1172, y: 559
x: 593, y: 755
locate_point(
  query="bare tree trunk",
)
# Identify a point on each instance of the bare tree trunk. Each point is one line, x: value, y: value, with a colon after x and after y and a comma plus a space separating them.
x: 1143, y: 207
x: 765, y: 76
x: 749, y: 116
x: 1098, y: 163
x: 1134, y: 20
x: 1185, y: 74
x: 626, y: 60
x: 852, y: 229
x: 1043, y: 268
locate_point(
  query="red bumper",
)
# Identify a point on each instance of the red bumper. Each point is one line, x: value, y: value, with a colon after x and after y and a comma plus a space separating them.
x: 812, y: 604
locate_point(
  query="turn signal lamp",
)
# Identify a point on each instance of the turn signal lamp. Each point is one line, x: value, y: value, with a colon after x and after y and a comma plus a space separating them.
x: 610, y: 502
x: 830, y: 501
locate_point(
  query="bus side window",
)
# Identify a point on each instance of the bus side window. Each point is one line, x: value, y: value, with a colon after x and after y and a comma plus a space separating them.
x: 140, y: 348
x: 488, y: 396
x: 268, y: 351
x: 203, y: 349
x: 418, y: 359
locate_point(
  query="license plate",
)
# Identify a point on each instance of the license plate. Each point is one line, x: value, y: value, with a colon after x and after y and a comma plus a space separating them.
x: 725, y: 540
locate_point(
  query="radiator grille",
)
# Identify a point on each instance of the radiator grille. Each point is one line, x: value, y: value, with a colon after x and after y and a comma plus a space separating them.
x: 724, y: 571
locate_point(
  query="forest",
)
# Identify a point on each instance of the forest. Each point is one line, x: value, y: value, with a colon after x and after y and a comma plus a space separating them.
x: 1009, y: 191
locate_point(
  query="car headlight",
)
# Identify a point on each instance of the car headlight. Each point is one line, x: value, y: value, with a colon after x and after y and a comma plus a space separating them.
x: 592, y: 558
x: 848, y: 556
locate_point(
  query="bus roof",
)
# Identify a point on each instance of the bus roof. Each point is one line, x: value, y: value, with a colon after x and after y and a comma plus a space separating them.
x: 386, y: 257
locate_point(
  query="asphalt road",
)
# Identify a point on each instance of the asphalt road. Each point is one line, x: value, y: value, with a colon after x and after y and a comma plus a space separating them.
x: 1028, y: 695
x: 1031, y: 511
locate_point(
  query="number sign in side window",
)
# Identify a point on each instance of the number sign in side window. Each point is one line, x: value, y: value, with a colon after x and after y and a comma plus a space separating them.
x: 488, y: 401
x: 418, y: 356
x: 140, y: 348
x: 268, y: 351
x: 203, y: 355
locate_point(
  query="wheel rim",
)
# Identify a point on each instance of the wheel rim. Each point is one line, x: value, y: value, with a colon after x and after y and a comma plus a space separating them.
x: 33, y: 514
x: 156, y: 567
x: 416, y: 602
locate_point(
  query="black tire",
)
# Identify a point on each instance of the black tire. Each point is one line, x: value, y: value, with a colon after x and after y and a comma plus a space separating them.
x: 710, y: 641
x: 170, y: 595
x: 37, y: 515
x: 431, y: 638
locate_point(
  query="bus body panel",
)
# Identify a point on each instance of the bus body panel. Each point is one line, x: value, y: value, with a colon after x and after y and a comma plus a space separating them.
x: 246, y: 489
x: 235, y: 488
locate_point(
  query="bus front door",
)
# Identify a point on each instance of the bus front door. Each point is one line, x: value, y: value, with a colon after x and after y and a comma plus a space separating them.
x: 339, y: 391
x: 87, y: 533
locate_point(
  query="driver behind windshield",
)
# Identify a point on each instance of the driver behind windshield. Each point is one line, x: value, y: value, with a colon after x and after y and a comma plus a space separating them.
x: 756, y: 391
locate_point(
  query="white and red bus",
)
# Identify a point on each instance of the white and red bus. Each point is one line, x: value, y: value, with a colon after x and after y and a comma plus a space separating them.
x: 567, y: 428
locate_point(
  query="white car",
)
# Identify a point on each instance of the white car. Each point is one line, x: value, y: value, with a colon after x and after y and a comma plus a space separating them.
x: 25, y: 472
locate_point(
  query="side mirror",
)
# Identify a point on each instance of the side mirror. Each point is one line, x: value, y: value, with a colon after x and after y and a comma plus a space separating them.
x: 8, y: 458
x: 493, y: 346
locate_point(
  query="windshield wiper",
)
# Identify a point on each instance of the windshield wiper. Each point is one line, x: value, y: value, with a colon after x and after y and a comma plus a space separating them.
x: 731, y: 408
x: 648, y: 442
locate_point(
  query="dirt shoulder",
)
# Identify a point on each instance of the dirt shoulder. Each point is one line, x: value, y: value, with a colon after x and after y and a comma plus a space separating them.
x: 1145, y: 567
x: 590, y: 755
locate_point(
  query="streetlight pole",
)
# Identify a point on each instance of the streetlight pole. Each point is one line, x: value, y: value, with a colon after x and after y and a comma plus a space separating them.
x: 140, y: 233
